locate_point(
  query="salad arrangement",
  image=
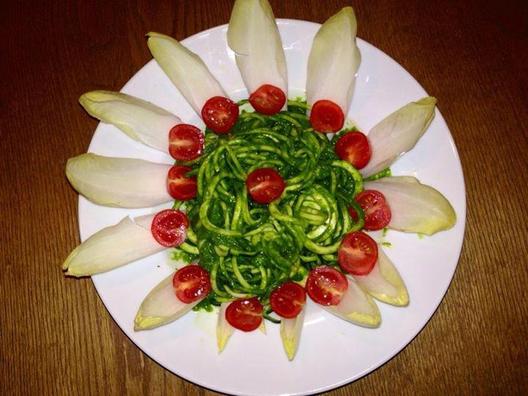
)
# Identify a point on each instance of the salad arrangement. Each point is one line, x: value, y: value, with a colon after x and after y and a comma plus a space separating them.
x: 266, y: 208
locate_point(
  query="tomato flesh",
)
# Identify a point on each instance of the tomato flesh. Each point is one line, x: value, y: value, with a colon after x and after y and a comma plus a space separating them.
x: 181, y: 187
x: 265, y: 185
x: 245, y: 314
x: 326, y: 285
x: 186, y: 142
x: 288, y: 299
x: 191, y: 283
x: 358, y: 253
x: 354, y: 148
x: 377, y: 211
x: 220, y: 114
x: 169, y: 227
x: 267, y: 99
x: 326, y: 116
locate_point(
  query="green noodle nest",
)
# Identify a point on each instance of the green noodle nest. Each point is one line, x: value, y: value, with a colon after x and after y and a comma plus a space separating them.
x: 249, y: 248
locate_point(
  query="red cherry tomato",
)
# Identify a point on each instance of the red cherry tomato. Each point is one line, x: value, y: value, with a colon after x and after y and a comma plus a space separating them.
x: 186, y: 142
x: 245, y: 314
x: 353, y: 213
x: 267, y: 99
x: 220, y: 114
x: 191, y: 283
x: 326, y: 285
x: 358, y: 253
x: 181, y: 187
x: 265, y: 185
x: 353, y: 147
x: 326, y: 116
x: 288, y: 299
x: 169, y: 227
x: 377, y: 211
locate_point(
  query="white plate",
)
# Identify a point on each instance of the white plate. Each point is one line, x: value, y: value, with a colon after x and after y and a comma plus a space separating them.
x: 332, y: 352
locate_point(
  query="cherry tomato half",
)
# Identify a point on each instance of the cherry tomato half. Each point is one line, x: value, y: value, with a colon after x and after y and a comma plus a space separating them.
x: 181, y: 187
x: 191, y: 283
x: 265, y: 185
x: 326, y: 285
x: 267, y: 99
x: 358, y: 253
x: 377, y: 211
x: 326, y: 116
x: 220, y: 114
x: 288, y: 299
x: 186, y: 142
x: 169, y: 227
x: 245, y: 314
x: 354, y: 147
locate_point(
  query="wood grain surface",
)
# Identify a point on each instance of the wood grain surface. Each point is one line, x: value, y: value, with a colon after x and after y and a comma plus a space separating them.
x: 56, y: 338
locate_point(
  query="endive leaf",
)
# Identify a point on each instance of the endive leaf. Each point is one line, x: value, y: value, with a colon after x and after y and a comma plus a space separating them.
x: 113, y: 246
x: 185, y: 69
x: 223, y: 329
x: 161, y: 306
x: 415, y: 207
x: 384, y: 282
x: 139, y: 119
x: 119, y: 182
x: 334, y: 60
x: 356, y: 307
x: 262, y: 327
x: 398, y: 133
x: 290, y: 332
x: 254, y: 37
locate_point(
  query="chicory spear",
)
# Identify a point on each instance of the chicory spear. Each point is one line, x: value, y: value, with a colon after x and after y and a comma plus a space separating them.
x: 161, y: 306
x: 334, y: 60
x: 356, y: 306
x: 223, y: 329
x: 139, y: 119
x: 185, y: 69
x: 290, y: 332
x: 119, y: 182
x: 112, y: 247
x: 384, y: 282
x: 415, y: 207
x: 254, y: 37
x: 398, y: 133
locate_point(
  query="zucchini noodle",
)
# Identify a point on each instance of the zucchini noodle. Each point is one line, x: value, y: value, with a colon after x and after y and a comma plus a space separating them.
x: 249, y: 248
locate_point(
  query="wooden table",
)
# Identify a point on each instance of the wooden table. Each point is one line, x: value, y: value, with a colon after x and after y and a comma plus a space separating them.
x: 56, y: 336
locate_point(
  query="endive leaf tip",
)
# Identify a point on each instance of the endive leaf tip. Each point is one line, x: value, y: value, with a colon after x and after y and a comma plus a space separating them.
x: 290, y: 349
x: 371, y: 321
x: 139, y: 322
x: 348, y: 10
x: 221, y: 343
x: 98, y: 95
x: 153, y: 39
x: 222, y: 336
x: 69, y: 271
x: 348, y: 13
x: 428, y: 100
x: 403, y: 301
x: 67, y: 262
x: 153, y: 36
x: 148, y: 322
x: 85, y: 98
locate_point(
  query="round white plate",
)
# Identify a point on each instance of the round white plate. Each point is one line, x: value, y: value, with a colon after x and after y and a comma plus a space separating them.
x: 332, y: 352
